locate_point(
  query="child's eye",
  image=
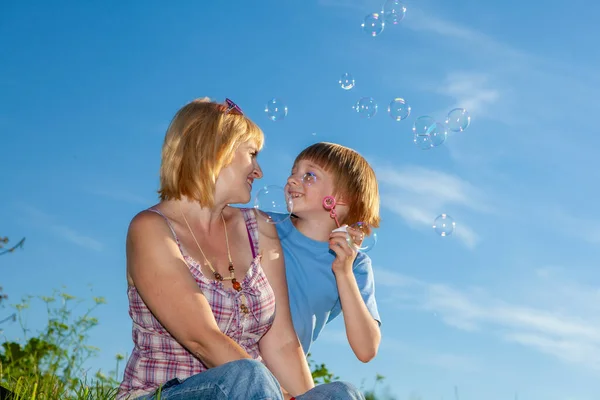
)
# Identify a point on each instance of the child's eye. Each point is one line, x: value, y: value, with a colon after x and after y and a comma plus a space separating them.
x: 254, y: 154
x: 309, y: 178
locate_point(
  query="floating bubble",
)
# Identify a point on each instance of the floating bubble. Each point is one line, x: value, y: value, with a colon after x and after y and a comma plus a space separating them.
x: 373, y: 24
x: 423, y: 125
x: 423, y: 142
x: 368, y: 237
x: 346, y: 81
x: 394, y: 12
x: 273, y: 204
x: 437, y: 134
x: 422, y: 128
x: 366, y: 107
x: 444, y: 225
x: 309, y: 178
x: 398, y: 109
x: 458, y: 120
x: 276, y: 110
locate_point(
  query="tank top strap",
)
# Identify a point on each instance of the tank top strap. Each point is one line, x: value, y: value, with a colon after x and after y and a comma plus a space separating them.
x: 252, y: 228
x: 170, y: 227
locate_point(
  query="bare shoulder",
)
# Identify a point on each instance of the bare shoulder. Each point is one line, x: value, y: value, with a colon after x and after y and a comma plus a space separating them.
x: 146, y: 222
x: 148, y: 236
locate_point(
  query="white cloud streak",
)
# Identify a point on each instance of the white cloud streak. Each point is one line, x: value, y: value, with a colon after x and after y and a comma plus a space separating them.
x: 48, y: 222
x: 418, y: 195
x: 570, y: 332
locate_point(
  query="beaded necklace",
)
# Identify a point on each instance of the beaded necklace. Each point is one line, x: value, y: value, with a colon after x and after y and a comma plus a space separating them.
x: 218, y: 277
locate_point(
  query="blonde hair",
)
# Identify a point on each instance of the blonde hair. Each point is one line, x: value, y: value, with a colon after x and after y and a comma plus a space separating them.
x: 354, y: 180
x: 201, y: 139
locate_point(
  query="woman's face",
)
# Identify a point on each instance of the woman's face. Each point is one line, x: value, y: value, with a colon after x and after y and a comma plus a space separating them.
x: 234, y: 183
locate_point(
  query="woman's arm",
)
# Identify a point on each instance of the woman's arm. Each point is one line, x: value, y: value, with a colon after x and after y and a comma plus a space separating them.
x: 167, y: 287
x: 280, y: 347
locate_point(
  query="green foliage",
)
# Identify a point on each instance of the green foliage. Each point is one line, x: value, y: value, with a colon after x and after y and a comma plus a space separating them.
x: 320, y: 373
x: 49, y: 365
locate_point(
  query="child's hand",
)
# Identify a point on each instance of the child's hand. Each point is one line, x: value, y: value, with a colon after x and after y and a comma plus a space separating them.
x: 344, y: 244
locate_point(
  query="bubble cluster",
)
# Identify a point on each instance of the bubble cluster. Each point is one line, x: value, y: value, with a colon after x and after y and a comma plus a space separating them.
x: 428, y: 133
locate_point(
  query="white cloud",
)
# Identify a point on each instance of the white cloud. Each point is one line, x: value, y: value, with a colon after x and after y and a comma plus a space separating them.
x: 77, y: 238
x: 471, y: 91
x: 423, y: 356
x: 569, y: 331
x: 48, y: 222
x: 120, y: 195
x: 418, y: 195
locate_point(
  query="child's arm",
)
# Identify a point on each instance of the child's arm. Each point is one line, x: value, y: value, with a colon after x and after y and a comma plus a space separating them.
x: 362, y: 329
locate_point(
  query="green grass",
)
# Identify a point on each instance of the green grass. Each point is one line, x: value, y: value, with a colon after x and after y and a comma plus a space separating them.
x: 51, y: 388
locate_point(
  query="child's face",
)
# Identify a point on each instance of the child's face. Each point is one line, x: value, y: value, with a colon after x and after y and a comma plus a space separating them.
x: 308, y: 185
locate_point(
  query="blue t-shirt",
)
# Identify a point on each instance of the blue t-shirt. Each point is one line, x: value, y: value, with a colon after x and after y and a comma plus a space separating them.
x: 314, y: 298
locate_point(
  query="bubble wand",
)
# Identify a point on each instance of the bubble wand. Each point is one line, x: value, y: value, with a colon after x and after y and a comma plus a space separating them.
x: 329, y: 205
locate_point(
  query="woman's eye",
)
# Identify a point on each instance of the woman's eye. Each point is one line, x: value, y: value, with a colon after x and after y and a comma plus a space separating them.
x: 309, y: 178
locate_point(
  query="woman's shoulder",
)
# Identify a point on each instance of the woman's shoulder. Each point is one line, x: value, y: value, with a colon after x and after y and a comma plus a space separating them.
x: 149, y: 221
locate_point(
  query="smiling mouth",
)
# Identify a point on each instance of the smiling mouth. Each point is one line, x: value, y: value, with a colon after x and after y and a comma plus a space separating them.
x: 295, y: 195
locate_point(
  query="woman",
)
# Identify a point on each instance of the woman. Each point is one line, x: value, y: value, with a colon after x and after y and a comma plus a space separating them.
x: 204, y: 278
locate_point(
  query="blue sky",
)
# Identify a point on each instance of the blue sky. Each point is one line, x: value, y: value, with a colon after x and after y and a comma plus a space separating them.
x: 509, y: 303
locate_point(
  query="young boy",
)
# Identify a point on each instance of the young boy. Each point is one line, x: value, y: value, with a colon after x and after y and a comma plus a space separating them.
x: 325, y: 274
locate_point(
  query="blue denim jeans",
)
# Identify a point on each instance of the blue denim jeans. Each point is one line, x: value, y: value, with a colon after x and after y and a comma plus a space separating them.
x: 244, y: 380
x: 332, y: 391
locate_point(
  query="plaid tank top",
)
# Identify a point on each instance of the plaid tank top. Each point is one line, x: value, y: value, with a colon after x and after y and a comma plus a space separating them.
x: 157, y: 357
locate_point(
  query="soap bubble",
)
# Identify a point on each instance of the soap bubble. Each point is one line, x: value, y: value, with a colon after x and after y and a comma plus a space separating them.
x: 276, y: 110
x: 422, y: 128
x: 423, y: 125
x: 394, y: 12
x: 366, y: 107
x: 273, y: 204
x: 423, y: 141
x: 398, y: 109
x: 373, y: 24
x: 346, y: 81
x: 444, y: 225
x: 368, y: 240
x: 458, y: 120
x: 437, y: 134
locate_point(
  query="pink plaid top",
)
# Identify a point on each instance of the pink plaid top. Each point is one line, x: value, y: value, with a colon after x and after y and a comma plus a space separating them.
x: 157, y: 357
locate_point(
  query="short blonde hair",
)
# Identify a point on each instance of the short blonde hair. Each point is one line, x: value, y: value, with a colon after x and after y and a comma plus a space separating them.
x: 354, y: 180
x: 201, y: 139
